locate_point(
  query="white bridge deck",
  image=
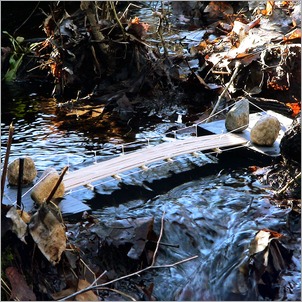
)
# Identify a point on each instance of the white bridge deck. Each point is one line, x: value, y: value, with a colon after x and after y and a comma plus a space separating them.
x: 165, y: 151
x: 147, y: 155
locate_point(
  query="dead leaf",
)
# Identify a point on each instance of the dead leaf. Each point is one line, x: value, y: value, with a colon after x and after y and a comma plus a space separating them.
x: 137, y: 28
x: 19, y: 226
x: 270, y: 5
x: 268, y: 257
x: 218, y: 9
x: 86, y: 296
x: 24, y: 215
x: 20, y: 290
x: 49, y: 234
x: 295, y: 107
x: 135, y: 231
x: 295, y: 34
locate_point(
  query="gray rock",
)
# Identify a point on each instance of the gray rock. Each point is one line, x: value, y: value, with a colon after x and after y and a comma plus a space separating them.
x: 237, y: 119
x: 29, y: 171
x: 265, y: 131
x: 45, y: 185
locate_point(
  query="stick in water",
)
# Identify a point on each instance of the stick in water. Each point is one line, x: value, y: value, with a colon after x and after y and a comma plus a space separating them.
x: 9, y: 143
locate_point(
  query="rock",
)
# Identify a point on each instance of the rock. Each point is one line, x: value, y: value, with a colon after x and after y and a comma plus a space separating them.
x: 290, y: 145
x: 237, y: 119
x: 29, y: 171
x: 265, y: 131
x: 45, y: 185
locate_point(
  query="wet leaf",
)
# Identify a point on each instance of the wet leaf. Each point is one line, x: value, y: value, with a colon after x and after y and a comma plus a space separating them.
x: 268, y: 257
x: 19, y: 226
x: 20, y: 290
x: 262, y: 240
x: 49, y: 233
x: 135, y: 231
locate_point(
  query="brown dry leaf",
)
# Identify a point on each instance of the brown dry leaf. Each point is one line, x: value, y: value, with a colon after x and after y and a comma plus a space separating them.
x: 19, y: 226
x: 262, y: 240
x: 137, y: 28
x: 20, y: 290
x: 295, y: 34
x: 63, y: 293
x: 48, y: 233
x: 270, y: 5
x: 295, y: 107
x: 87, y: 296
x: 24, y: 215
x: 268, y: 257
x: 217, y: 9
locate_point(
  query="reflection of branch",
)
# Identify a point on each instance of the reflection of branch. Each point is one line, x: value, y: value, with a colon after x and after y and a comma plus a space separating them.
x: 152, y: 266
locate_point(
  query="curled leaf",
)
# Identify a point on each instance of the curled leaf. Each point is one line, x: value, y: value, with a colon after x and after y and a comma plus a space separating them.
x: 19, y: 226
x: 49, y: 234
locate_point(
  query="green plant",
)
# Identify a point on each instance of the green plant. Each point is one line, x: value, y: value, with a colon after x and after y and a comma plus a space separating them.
x: 16, y: 58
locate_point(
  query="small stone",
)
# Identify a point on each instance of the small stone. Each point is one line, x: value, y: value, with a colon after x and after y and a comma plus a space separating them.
x: 265, y: 131
x: 237, y: 119
x: 46, y: 183
x: 29, y: 171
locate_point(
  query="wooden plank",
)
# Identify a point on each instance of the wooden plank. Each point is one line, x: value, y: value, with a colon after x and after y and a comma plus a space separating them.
x: 148, y: 155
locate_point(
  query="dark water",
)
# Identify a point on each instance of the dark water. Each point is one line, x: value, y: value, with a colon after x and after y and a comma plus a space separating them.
x: 214, y: 217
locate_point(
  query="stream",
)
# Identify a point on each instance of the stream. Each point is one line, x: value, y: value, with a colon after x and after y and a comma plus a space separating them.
x: 213, y: 215
x: 213, y: 210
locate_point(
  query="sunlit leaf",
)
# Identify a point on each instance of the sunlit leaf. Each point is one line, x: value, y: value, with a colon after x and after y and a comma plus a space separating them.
x: 296, y: 108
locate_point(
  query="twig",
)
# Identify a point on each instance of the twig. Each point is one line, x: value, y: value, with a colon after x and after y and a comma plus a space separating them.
x: 288, y: 184
x: 159, y: 238
x: 237, y: 67
x: 56, y: 186
x: 20, y: 178
x: 27, y: 18
x: 9, y: 143
x: 130, y: 275
x: 152, y: 266
x: 117, y: 19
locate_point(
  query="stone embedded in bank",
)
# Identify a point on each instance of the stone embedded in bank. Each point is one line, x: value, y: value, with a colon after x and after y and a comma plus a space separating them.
x: 265, y: 131
x: 237, y: 119
x: 46, y: 183
x: 29, y: 171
